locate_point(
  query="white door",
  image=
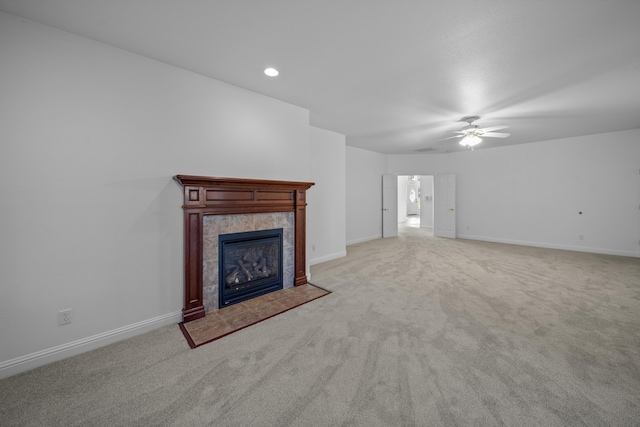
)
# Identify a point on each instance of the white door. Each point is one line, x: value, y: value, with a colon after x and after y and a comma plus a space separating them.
x: 444, y: 200
x: 426, y: 201
x: 389, y: 206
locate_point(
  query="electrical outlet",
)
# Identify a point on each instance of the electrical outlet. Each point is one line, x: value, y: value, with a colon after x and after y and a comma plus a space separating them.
x: 65, y: 316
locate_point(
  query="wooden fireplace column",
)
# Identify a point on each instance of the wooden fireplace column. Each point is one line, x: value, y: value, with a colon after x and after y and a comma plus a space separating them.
x: 205, y: 195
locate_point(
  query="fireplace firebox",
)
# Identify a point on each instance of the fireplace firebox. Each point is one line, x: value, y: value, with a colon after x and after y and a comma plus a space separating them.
x: 249, y: 265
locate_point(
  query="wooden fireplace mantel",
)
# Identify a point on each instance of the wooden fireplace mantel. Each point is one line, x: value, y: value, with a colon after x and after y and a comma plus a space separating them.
x: 205, y: 195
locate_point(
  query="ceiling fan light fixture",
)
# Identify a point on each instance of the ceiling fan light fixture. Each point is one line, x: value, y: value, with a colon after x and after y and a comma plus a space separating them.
x: 470, y: 140
x: 471, y: 135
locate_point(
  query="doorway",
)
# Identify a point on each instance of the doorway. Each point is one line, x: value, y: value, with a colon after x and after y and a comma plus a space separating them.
x: 415, y: 201
x: 437, y: 209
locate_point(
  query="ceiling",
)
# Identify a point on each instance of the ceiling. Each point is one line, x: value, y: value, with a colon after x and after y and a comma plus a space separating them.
x: 394, y: 76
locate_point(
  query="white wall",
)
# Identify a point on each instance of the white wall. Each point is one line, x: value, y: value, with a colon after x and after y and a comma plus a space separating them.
x: 91, y: 218
x: 531, y: 194
x: 326, y: 216
x: 418, y: 164
x: 364, y: 194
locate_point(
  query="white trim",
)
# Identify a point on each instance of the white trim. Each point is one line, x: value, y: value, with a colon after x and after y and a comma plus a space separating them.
x: 53, y: 354
x: 364, y: 239
x: 329, y: 257
x: 552, y: 246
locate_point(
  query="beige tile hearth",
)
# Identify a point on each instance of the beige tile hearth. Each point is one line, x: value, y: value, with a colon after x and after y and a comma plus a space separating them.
x: 225, y: 321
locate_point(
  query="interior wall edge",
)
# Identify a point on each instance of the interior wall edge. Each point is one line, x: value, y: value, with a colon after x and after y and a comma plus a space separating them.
x: 329, y: 257
x: 364, y: 239
x: 602, y: 251
x: 53, y: 354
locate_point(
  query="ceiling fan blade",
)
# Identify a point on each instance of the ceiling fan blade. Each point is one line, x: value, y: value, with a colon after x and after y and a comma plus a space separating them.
x: 495, y: 134
x: 492, y: 128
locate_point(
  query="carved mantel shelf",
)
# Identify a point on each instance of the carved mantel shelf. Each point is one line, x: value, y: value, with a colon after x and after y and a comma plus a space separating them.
x: 205, y: 195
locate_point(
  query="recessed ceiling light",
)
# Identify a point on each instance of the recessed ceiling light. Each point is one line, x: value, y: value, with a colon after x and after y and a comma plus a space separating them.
x: 271, y: 72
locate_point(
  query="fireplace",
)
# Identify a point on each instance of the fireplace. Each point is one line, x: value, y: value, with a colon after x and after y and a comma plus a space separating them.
x: 212, y: 205
x: 214, y: 226
x: 250, y: 264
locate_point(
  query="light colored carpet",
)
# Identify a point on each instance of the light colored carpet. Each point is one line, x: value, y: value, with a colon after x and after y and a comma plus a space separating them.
x: 418, y: 331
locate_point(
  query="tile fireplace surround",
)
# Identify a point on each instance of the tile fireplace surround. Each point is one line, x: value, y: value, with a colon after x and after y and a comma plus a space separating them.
x: 219, y: 205
x: 215, y: 225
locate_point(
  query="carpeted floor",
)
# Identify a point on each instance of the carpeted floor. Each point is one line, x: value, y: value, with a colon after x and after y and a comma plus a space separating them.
x: 418, y: 331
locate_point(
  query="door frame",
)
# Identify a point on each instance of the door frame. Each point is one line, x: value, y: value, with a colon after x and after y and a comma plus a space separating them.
x: 389, y: 205
x: 395, y: 206
x: 444, y: 205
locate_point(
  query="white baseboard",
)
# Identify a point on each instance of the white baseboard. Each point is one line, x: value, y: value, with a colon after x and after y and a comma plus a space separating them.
x: 30, y: 361
x: 364, y: 239
x: 326, y: 258
x: 551, y: 246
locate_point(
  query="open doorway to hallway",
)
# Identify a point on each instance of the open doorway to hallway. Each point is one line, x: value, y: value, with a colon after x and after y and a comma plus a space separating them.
x: 415, y: 202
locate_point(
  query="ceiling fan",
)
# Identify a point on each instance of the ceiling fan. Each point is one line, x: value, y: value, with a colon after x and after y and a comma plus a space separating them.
x: 472, y: 134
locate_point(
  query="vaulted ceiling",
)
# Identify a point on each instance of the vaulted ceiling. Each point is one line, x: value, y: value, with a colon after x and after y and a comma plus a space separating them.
x: 394, y: 76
